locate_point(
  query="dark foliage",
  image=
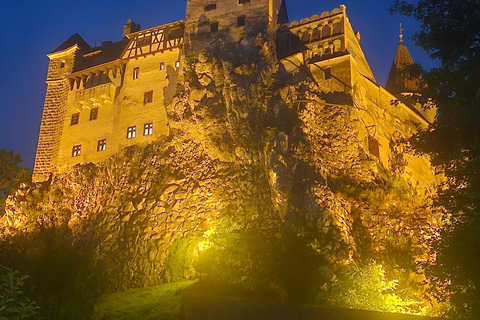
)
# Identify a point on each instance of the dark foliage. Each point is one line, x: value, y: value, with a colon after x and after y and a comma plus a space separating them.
x: 62, y: 277
x: 450, y: 32
x: 14, y: 304
x: 11, y: 175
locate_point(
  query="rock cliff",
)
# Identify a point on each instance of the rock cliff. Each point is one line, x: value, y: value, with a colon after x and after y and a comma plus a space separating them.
x: 247, y: 140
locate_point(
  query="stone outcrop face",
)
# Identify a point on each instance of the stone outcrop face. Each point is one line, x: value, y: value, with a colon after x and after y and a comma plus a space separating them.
x: 246, y: 140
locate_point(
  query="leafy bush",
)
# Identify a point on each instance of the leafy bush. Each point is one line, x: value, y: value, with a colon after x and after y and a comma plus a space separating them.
x: 368, y: 287
x: 14, y: 304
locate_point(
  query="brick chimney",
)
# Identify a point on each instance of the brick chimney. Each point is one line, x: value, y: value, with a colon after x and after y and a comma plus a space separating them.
x: 130, y: 27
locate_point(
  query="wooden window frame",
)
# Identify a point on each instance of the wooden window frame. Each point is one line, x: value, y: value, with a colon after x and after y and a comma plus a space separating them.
x: 101, y: 145
x: 136, y: 73
x: 75, y: 119
x: 148, y: 129
x: 131, y: 132
x: 93, y: 114
x: 76, y: 150
x: 148, y: 97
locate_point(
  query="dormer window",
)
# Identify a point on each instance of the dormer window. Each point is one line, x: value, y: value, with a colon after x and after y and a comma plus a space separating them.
x: 243, y: 1
x: 210, y: 7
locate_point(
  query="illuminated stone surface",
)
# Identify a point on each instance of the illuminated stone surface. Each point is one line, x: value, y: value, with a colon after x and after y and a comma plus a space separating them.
x: 270, y: 125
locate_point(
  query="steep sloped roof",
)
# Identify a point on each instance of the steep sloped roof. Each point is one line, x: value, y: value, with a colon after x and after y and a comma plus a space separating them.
x: 283, y: 15
x: 76, y: 39
x: 397, y: 79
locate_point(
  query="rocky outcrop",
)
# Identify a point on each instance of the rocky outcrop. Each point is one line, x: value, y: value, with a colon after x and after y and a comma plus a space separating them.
x: 247, y: 140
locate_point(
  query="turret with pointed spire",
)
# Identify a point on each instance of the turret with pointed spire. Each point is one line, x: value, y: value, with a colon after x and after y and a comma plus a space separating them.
x: 398, y: 81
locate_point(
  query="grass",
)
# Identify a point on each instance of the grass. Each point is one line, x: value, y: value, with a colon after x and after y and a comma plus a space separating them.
x: 160, y: 302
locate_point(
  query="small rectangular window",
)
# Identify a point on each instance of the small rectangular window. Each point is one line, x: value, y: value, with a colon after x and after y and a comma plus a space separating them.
x: 214, y: 27
x: 373, y: 147
x: 136, y: 73
x: 210, y: 7
x: 162, y: 65
x: 62, y: 64
x: 147, y: 129
x: 93, y: 114
x: 131, y: 132
x: 241, y: 21
x: 76, y: 150
x: 75, y: 119
x: 177, y: 64
x: 147, y: 97
x: 102, y: 145
x: 328, y: 72
x: 243, y: 1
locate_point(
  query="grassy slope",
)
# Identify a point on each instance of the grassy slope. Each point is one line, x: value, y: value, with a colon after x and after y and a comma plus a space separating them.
x: 158, y: 302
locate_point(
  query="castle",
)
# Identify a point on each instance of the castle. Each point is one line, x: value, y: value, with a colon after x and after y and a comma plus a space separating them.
x: 102, y: 99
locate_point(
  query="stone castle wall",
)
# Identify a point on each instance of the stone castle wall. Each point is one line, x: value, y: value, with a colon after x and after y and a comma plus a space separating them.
x: 51, y: 128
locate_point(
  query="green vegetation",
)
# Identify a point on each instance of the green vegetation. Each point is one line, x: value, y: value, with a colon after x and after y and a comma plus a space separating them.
x: 450, y: 32
x: 11, y: 175
x: 14, y: 304
x: 160, y: 302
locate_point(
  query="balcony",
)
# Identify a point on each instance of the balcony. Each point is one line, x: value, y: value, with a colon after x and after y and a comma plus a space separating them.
x: 95, y: 96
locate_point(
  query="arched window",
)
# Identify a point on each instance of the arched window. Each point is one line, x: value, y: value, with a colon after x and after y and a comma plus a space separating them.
x: 337, y: 27
x: 326, y: 31
x: 315, y: 35
x: 337, y: 46
x: 306, y: 36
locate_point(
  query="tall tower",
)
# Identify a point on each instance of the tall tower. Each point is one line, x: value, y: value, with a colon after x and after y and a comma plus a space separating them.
x: 62, y: 62
x: 398, y: 81
x: 207, y: 20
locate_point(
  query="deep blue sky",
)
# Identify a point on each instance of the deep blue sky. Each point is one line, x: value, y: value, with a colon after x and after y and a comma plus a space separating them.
x: 33, y: 28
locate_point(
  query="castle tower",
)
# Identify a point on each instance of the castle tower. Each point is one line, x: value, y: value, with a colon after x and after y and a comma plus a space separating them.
x: 207, y: 20
x: 61, y: 64
x: 398, y: 81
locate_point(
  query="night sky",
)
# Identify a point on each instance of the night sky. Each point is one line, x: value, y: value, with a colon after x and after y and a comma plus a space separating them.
x: 33, y: 28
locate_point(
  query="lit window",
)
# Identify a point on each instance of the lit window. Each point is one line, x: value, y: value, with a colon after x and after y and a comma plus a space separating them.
x: 147, y: 129
x: 177, y: 64
x: 162, y: 65
x: 210, y: 7
x: 214, y: 27
x: 76, y: 150
x: 147, y: 97
x: 136, y: 72
x: 75, y: 119
x: 241, y: 21
x: 328, y: 72
x: 373, y: 147
x: 102, y: 145
x: 62, y: 64
x: 131, y: 132
x: 93, y: 114
x: 243, y: 1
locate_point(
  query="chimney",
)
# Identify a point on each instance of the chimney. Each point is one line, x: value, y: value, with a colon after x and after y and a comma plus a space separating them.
x: 130, y: 27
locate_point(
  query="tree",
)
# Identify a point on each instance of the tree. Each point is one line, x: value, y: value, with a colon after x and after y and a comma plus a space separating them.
x: 11, y: 175
x: 450, y: 32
